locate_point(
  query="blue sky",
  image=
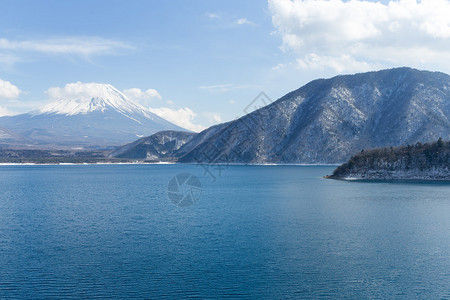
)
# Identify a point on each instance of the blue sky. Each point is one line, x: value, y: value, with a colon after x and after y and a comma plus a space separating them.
x: 204, y: 61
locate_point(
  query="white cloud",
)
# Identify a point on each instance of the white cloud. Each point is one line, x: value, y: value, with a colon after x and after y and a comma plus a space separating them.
x: 139, y: 94
x: 360, y: 35
x: 214, y: 118
x: 340, y: 64
x: 244, y: 21
x: 182, y: 117
x: 213, y: 16
x: 143, y: 97
x: 80, y: 46
x: 224, y: 87
x: 78, y: 90
x: 9, y: 59
x: 6, y: 112
x: 218, y: 87
x: 8, y: 90
x: 279, y: 67
x: 227, y: 21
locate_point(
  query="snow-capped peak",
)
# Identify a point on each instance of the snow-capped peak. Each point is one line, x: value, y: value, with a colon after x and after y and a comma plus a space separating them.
x: 82, y: 98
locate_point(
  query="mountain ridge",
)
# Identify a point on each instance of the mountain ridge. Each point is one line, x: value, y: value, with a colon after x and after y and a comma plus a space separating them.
x: 159, y: 146
x: 327, y: 120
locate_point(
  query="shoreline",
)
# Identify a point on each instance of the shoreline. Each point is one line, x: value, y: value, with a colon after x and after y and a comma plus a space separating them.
x: 396, y: 180
x: 164, y: 163
x: 85, y: 164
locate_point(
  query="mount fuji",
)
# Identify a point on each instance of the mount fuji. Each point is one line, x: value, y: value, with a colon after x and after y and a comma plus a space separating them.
x: 100, y: 117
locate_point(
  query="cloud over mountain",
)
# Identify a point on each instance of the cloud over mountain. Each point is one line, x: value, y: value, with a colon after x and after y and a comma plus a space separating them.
x: 360, y: 35
x: 182, y: 117
x: 76, y: 90
x: 138, y: 94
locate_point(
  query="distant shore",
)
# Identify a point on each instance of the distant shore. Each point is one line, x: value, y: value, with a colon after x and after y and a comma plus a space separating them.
x: 159, y: 163
x: 81, y: 164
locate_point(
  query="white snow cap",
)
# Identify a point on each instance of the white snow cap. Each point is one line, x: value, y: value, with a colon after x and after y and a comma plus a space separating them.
x: 81, y: 98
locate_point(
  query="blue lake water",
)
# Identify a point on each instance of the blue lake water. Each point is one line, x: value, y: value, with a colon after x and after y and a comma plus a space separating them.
x: 255, y: 232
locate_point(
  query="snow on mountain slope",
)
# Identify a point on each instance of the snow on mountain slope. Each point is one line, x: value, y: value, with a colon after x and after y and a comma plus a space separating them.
x: 87, y: 115
x: 160, y: 146
x: 100, y: 97
x: 328, y: 120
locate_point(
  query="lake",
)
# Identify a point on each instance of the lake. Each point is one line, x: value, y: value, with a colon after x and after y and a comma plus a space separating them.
x: 259, y: 232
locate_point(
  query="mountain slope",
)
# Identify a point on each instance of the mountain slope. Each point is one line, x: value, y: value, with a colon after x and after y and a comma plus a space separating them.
x: 105, y: 118
x: 327, y: 120
x: 160, y: 146
x: 7, y: 137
